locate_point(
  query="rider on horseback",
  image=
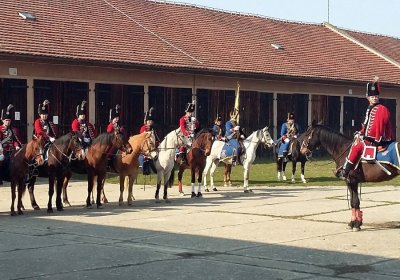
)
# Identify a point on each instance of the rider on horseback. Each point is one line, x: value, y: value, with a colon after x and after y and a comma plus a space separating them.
x: 114, y: 125
x: 376, y: 130
x: 82, y: 126
x: 289, y: 131
x: 45, y: 128
x: 234, y: 136
x: 9, y: 140
x: 189, y: 125
x: 217, y: 129
x: 147, y: 162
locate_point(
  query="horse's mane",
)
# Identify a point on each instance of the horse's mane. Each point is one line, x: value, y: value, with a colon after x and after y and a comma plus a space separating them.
x: 332, y: 137
x: 103, y: 139
x: 202, y: 131
x: 64, y: 139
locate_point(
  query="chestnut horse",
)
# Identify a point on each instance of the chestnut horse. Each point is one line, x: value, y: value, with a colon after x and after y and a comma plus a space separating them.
x: 128, y: 165
x: 31, y: 153
x: 95, y: 164
x: 196, y: 160
x: 338, y: 146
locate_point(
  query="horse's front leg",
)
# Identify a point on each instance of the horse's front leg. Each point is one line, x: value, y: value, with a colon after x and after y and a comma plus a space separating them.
x: 31, y: 190
x: 103, y: 194
x: 199, y: 177
x: 303, y: 178
x: 13, y: 196
x: 121, y: 189
x: 356, y: 213
x: 284, y: 163
x: 227, y: 175
x: 59, y: 188
x: 294, y: 163
x: 21, y: 191
x: 90, y: 189
x: 157, y: 195
x: 166, y: 186
x: 51, y: 192
x: 100, y: 187
x: 246, y: 172
x: 205, y: 171
x: 180, y: 175
x: 131, y: 180
x: 65, y: 182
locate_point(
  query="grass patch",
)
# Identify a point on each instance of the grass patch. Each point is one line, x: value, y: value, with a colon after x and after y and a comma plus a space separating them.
x: 318, y: 172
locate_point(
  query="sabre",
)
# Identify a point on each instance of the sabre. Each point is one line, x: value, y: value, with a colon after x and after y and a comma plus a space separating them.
x: 237, y: 109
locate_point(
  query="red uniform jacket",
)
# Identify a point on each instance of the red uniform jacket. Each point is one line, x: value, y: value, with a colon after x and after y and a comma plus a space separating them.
x: 187, y: 126
x: 113, y: 127
x: 45, y: 129
x: 377, y: 126
x: 12, y: 137
x: 84, y: 127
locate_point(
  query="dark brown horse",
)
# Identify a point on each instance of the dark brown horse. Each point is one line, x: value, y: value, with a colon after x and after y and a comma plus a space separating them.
x: 95, y: 163
x: 61, y: 153
x: 31, y: 153
x: 295, y: 156
x: 338, y: 146
x: 196, y: 160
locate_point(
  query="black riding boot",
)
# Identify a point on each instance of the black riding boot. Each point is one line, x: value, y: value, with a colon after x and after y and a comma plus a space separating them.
x: 285, y: 156
x: 343, y: 173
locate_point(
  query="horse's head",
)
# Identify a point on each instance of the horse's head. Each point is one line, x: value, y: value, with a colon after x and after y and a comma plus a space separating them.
x: 75, y: 146
x: 121, y: 143
x: 311, y: 140
x: 266, y: 138
x: 35, y: 149
x: 148, y: 147
x: 204, y: 141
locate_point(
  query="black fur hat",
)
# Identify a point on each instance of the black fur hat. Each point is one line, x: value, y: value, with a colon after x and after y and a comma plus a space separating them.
x: 43, y: 108
x: 149, y: 115
x: 6, y: 114
x: 81, y: 109
x: 190, y: 107
x: 114, y: 112
x: 373, y: 88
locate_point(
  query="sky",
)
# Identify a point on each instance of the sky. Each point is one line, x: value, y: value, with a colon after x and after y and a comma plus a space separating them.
x: 371, y: 16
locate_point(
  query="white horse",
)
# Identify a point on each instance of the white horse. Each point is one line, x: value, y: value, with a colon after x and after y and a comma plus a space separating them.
x: 247, y: 158
x: 165, y: 160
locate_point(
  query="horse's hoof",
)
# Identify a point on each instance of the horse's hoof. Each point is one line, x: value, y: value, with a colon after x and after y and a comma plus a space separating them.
x: 225, y: 185
x: 67, y: 204
x: 284, y: 178
x: 181, y: 193
x: 246, y: 191
x: 49, y: 211
x: 206, y: 190
x: 13, y: 213
x: 100, y: 206
x: 130, y: 203
x: 193, y: 195
x: 215, y: 190
x: 199, y: 195
x: 105, y: 200
x: 36, y: 207
x: 60, y: 209
x: 304, y: 181
x: 293, y: 180
x: 120, y: 203
x: 89, y: 206
x: 20, y: 212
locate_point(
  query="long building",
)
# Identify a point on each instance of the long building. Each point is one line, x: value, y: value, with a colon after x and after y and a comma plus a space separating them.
x: 143, y: 53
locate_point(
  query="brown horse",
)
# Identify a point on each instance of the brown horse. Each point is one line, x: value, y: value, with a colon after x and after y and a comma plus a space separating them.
x: 127, y: 165
x: 338, y: 146
x: 95, y: 164
x: 196, y: 160
x: 60, y: 154
x: 31, y: 153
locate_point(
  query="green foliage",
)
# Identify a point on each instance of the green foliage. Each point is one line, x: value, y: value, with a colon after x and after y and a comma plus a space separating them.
x: 319, y: 172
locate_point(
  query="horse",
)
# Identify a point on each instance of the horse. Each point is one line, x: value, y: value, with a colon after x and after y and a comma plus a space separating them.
x: 247, y: 158
x: 60, y: 154
x: 31, y: 153
x: 95, y: 164
x: 338, y: 147
x: 165, y: 160
x: 196, y: 160
x: 128, y: 165
x: 295, y: 156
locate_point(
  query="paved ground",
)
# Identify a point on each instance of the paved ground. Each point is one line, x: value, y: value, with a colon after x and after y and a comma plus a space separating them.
x: 295, y: 232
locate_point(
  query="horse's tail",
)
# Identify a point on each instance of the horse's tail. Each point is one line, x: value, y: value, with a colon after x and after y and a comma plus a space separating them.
x: 171, y: 177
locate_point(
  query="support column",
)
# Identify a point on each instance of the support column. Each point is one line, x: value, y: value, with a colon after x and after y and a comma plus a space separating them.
x: 30, y: 114
x: 194, y: 98
x: 275, y: 114
x: 146, y: 104
x: 92, y: 102
x: 341, y: 113
x: 309, y: 117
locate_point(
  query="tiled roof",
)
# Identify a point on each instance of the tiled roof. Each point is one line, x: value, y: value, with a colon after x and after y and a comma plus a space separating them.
x: 388, y: 46
x: 141, y: 32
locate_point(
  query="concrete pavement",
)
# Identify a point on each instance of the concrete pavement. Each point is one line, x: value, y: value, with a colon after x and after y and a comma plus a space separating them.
x: 294, y: 232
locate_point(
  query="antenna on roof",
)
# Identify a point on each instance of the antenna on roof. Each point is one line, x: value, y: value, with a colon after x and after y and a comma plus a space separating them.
x: 27, y: 16
x: 328, y: 11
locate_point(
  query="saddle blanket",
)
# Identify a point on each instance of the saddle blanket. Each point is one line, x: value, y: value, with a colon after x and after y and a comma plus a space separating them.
x: 230, y: 149
x: 390, y: 155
